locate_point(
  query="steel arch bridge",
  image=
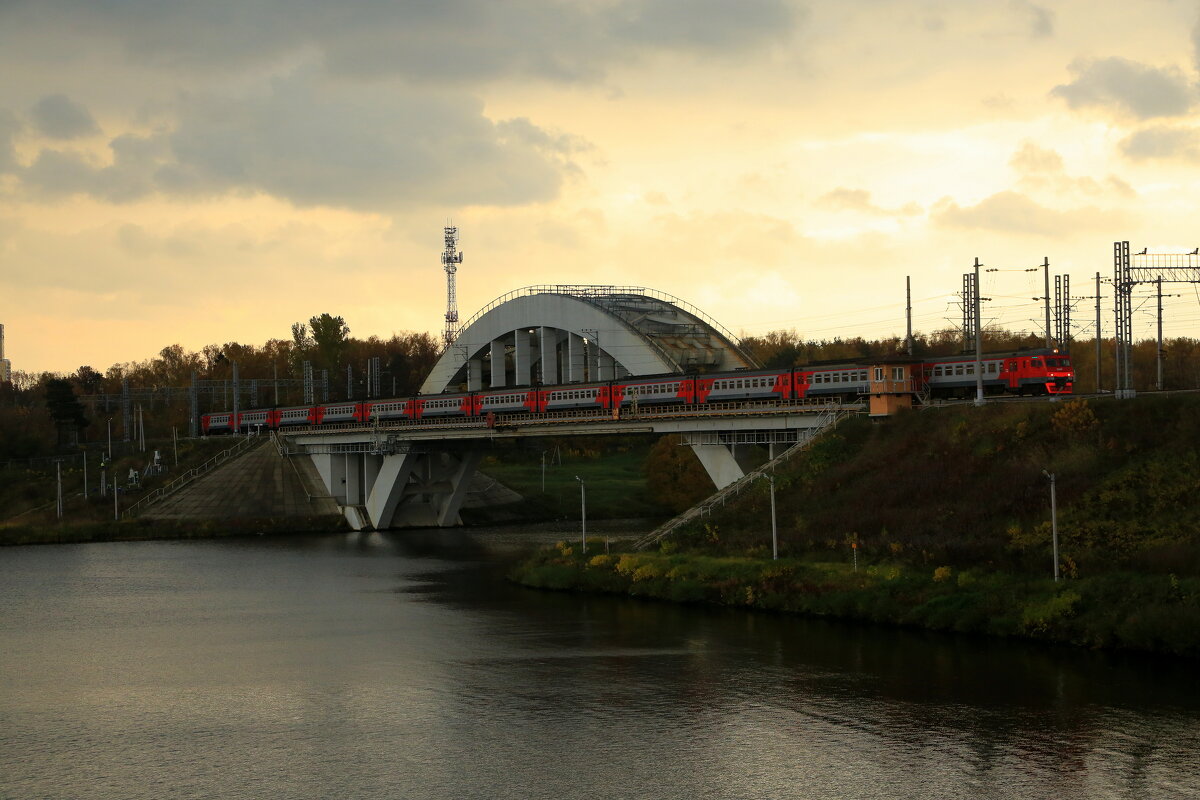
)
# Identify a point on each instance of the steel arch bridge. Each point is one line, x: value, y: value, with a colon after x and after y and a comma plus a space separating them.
x: 389, y: 476
x: 554, y: 334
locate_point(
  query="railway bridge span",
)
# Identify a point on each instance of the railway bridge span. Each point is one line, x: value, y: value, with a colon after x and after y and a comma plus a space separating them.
x: 416, y: 475
x: 416, y: 472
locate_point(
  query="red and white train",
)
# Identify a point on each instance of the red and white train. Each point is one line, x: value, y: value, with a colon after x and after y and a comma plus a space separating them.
x: 1025, y: 372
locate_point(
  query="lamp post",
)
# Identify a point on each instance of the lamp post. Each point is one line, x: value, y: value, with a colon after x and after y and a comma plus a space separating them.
x: 774, y: 528
x: 1053, y: 519
x: 110, y: 438
x: 543, y: 472
x: 583, y: 510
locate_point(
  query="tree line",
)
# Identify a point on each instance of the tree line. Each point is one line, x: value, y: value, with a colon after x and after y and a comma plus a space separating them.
x: 44, y: 412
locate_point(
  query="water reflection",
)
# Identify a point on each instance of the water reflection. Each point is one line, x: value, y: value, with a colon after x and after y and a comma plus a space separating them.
x: 372, y: 665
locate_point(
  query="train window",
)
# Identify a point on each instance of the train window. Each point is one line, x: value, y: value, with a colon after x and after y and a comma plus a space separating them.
x: 1037, y: 362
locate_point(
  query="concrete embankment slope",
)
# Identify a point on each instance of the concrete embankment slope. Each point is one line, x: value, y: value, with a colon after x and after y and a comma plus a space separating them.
x: 259, y: 485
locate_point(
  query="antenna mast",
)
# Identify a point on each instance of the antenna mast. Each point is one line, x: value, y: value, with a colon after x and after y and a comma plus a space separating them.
x: 451, y: 258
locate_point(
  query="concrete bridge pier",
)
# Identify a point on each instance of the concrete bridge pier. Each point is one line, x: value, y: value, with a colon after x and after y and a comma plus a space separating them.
x: 398, y: 490
x: 724, y: 463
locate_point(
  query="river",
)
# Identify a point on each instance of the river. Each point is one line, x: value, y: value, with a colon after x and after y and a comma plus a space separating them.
x: 404, y: 666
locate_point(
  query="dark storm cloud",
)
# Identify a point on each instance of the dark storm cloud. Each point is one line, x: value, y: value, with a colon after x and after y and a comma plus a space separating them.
x: 311, y: 144
x: 450, y: 40
x: 55, y: 116
x: 1127, y: 87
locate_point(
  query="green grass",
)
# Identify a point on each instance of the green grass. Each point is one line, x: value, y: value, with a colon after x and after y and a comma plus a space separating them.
x: 27, y: 497
x: 1118, y: 610
x: 614, y: 477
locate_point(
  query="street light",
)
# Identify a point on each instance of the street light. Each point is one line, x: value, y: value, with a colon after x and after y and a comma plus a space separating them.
x: 1053, y: 519
x: 543, y: 472
x: 774, y: 529
x: 583, y: 510
x: 110, y: 438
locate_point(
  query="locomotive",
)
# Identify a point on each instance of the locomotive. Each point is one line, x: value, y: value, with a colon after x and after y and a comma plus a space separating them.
x: 1035, y: 372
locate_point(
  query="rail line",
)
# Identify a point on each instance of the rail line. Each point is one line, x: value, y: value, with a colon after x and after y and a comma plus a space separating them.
x: 508, y: 422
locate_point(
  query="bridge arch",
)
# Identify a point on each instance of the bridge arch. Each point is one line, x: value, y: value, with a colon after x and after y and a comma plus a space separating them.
x: 554, y: 334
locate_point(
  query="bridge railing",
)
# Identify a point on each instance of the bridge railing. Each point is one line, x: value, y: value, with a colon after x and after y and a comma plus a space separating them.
x: 587, y: 291
x: 192, y: 474
x: 733, y: 408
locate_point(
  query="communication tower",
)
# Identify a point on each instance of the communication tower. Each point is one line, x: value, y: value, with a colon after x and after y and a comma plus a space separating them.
x: 5, y: 364
x: 451, y: 258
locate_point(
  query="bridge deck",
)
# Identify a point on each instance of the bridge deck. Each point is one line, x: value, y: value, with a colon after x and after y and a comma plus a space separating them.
x: 743, y: 415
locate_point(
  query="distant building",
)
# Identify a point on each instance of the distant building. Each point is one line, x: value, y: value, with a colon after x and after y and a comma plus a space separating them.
x: 5, y: 364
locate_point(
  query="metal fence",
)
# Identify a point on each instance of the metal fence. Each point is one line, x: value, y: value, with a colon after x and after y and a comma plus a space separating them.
x: 192, y: 474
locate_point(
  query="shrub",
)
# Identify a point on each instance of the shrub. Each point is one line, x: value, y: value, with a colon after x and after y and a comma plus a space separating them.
x: 1075, y: 418
x: 628, y: 564
x: 646, y: 572
x: 942, y: 573
x: 1040, y: 617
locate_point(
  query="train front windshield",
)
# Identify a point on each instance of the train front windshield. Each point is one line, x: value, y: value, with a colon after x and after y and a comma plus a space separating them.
x: 1058, y: 362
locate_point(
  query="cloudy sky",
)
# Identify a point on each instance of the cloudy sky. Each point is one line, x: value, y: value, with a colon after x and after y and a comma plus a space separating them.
x: 214, y: 170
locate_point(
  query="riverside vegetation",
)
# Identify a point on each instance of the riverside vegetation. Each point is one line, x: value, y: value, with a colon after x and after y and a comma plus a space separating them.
x: 948, y: 512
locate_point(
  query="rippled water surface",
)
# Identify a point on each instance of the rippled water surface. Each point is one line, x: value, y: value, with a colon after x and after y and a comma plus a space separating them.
x: 370, y: 666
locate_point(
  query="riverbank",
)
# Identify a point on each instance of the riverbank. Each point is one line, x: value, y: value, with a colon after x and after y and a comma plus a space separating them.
x: 1121, y: 610
x: 149, y: 529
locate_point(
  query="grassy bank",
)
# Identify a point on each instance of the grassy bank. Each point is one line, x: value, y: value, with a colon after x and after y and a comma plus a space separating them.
x: 1155, y: 613
x: 147, y: 529
x: 613, y: 469
x: 947, y: 511
x: 27, y: 495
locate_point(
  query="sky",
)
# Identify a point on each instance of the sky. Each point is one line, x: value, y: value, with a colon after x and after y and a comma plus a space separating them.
x: 214, y: 170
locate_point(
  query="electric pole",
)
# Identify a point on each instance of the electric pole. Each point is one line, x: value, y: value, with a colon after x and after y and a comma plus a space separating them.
x: 908, y: 340
x: 1098, y: 352
x: 1159, y: 383
x: 979, y: 339
x: 1046, y: 297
